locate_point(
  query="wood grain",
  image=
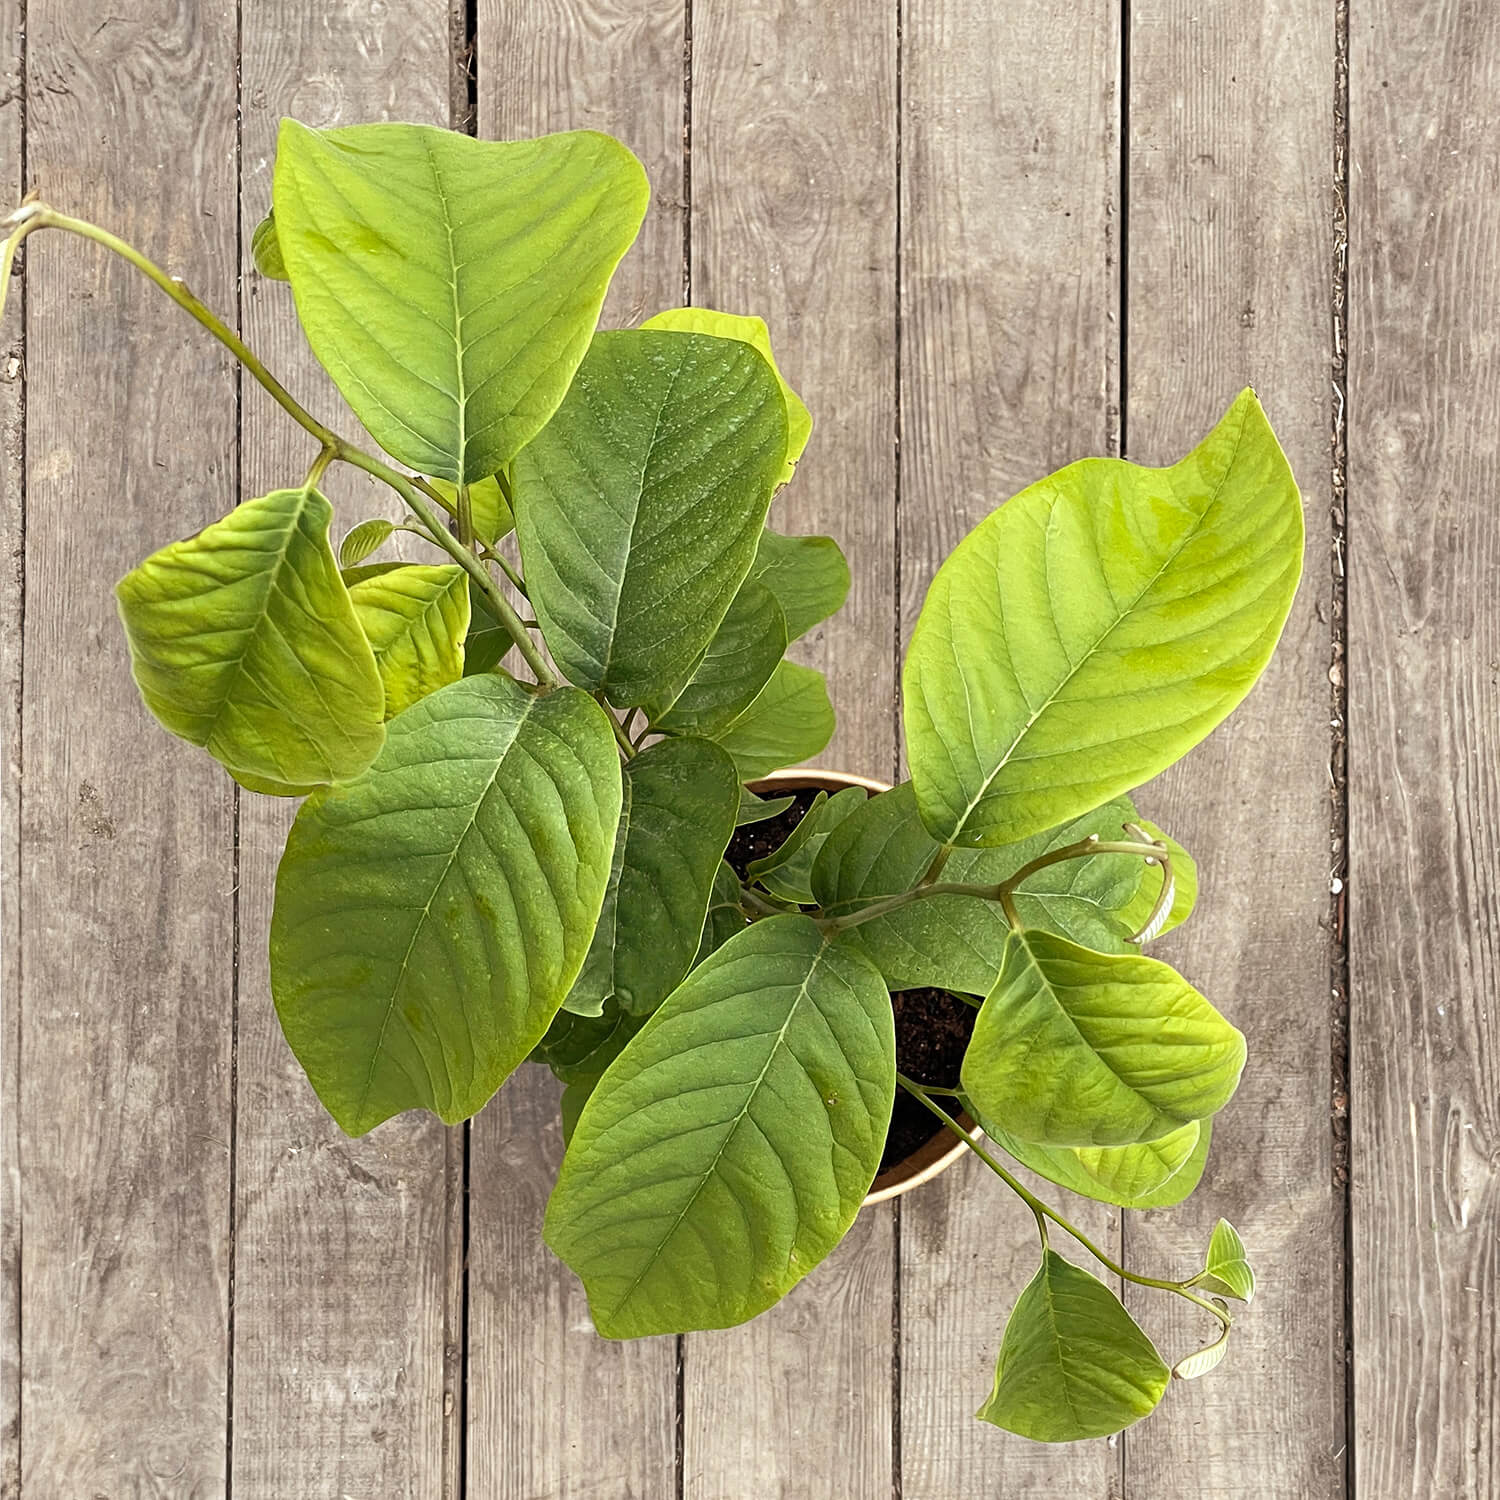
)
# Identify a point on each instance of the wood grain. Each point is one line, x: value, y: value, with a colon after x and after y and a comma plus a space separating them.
x: 1231, y: 255
x: 554, y: 1410
x: 1009, y: 341
x: 343, y: 1319
x: 793, y: 187
x: 12, y: 626
x: 1424, y: 710
x: 127, y: 839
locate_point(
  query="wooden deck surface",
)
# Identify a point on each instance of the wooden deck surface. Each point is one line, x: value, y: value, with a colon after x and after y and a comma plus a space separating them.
x: 989, y: 238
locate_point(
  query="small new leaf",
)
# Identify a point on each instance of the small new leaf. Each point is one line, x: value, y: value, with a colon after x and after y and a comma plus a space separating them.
x: 1073, y: 1364
x: 1201, y: 1361
x: 1226, y: 1268
x: 363, y: 540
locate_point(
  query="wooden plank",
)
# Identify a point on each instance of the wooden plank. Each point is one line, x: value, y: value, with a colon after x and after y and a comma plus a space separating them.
x: 341, y: 1308
x: 1009, y: 341
x: 553, y: 1410
x: 127, y: 844
x: 1424, y: 691
x: 793, y: 206
x: 12, y: 618
x: 1230, y: 253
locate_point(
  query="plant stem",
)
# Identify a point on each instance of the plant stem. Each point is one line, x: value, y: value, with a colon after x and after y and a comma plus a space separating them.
x: 517, y: 582
x: 37, y: 215
x: 621, y: 738
x: 1043, y: 1212
x: 465, y: 516
x: 326, y: 456
x: 755, y: 904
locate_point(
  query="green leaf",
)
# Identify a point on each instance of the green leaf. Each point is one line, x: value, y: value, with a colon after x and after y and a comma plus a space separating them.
x: 368, y: 537
x: 751, y: 331
x: 1092, y: 630
x: 488, y: 641
x: 725, y: 917
x: 677, y: 815
x: 415, y: 617
x: 729, y: 1149
x: 243, y: 640
x: 787, y: 872
x: 488, y: 507
x: 450, y: 286
x: 1153, y: 1174
x: 1073, y: 1364
x: 1201, y: 1361
x: 1073, y: 1048
x: 431, y: 916
x: 755, y: 809
x: 807, y: 574
x: 579, y: 1048
x: 639, y: 506
x: 790, y: 720
x: 1226, y: 1268
x: 1137, y: 912
x: 957, y: 942
x: 265, y: 251
x: 729, y: 676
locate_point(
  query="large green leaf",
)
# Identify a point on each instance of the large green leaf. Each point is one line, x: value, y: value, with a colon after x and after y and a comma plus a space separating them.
x: 790, y: 720
x: 1153, y: 1174
x: 1074, y: 1048
x: 1073, y: 1364
x: 415, y: 617
x: 1095, y: 628
x: 754, y: 332
x: 243, y: 640
x: 807, y: 574
x: 431, y: 916
x: 727, y: 1151
x: 450, y: 286
x: 739, y: 662
x: 638, y: 507
x: 957, y: 942
x: 680, y: 801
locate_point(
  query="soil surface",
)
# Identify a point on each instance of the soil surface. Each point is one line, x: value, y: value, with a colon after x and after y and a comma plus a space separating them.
x: 932, y: 1027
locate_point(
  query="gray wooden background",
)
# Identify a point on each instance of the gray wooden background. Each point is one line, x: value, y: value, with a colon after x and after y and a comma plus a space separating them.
x: 990, y: 236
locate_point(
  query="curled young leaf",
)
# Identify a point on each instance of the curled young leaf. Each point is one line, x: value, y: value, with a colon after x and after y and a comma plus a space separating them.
x: 728, y: 1149
x: 1094, y: 628
x: 243, y: 640
x: 431, y: 915
x: 265, y: 251
x: 1073, y: 1364
x: 1074, y: 1048
x: 450, y: 286
x: 1226, y: 1268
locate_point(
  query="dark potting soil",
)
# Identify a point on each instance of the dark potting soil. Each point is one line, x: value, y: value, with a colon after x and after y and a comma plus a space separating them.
x: 932, y: 1027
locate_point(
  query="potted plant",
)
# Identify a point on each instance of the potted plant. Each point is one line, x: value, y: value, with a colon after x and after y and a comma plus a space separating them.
x: 525, y: 762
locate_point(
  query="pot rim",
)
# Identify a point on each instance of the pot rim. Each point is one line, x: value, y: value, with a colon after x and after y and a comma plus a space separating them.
x: 933, y: 1158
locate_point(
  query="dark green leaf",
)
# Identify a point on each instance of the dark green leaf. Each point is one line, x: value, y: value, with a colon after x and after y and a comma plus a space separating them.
x: 751, y: 331
x: 791, y: 720
x: 488, y: 641
x: 807, y: 574
x: 638, y: 507
x: 1073, y: 1048
x: 243, y: 640
x: 579, y: 1048
x: 730, y: 675
x: 725, y: 915
x: 1092, y: 630
x: 449, y: 285
x: 729, y: 1149
x: 1074, y: 1364
x: 431, y: 916
x: 788, y: 872
x: 676, y: 817
x: 755, y: 809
